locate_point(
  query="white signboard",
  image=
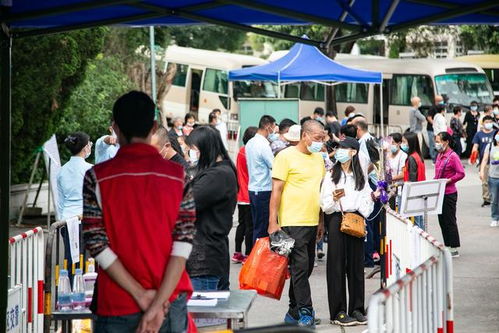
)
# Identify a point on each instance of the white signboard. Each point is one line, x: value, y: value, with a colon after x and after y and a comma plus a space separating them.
x: 14, y: 310
x: 51, y: 157
x: 415, y: 194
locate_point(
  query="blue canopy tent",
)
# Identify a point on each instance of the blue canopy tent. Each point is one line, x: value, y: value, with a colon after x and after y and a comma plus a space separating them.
x: 304, y: 63
x: 356, y: 19
x: 307, y: 63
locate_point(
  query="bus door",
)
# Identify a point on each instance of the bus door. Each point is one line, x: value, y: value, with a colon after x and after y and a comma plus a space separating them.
x: 196, y: 76
x: 386, y: 102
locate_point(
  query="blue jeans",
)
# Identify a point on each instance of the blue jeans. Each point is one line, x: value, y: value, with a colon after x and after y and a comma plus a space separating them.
x: 205, y: 283
x: 419, y: 221
x: 431, y: 145
x: 260, y: 213
x: 175, y: 321
x: 494, y: 195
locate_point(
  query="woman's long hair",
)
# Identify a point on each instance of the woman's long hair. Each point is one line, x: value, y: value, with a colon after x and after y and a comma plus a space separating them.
x: 445, y: 136
x: 413, y: 143
x: 207, y: 139
x: 358, y: 174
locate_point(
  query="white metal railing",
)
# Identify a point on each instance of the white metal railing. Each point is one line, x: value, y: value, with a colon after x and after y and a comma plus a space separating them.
x: 421, y: 300
x: 27, y: 254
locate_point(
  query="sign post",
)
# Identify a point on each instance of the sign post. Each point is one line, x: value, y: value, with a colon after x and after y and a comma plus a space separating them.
x: 423, y: 198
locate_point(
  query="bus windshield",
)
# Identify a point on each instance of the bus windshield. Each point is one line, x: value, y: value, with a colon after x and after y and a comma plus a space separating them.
x: 464, y: 88
x: 254, y: 89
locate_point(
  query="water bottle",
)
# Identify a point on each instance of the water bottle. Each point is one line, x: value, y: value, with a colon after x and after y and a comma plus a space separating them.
x: 64, y: 292
x: 78, y: 296
x: 89, y: 281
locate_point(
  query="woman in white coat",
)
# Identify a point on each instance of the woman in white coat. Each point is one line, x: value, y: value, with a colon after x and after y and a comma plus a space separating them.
x: 345, y: 189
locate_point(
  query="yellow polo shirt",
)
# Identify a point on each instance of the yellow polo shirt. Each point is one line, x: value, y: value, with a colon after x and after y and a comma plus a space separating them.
x: 302, y: 174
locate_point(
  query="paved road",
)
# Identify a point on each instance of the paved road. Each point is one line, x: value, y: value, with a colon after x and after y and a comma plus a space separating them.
x: 476, y: 272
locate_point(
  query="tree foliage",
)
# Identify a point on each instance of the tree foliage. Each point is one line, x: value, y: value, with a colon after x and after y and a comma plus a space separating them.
x: 481, y: 37
x: 45, y: 72
x: 89, y: 108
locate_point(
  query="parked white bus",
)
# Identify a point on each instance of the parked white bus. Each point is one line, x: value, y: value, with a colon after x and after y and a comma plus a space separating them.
x: 460, y: 83
x: 489, y: 63
x: 201, y: 84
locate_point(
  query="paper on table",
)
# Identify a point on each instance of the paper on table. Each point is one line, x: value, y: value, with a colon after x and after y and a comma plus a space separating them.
x: 73, y: 225
x: 211, y: 294
x: 202, y: 302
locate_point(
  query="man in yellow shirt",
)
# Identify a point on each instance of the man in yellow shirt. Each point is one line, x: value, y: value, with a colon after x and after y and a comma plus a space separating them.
x: 297, y: 173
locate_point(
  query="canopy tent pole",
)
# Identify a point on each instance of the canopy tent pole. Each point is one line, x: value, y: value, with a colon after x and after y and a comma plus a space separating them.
x: 153, y: 65
x: 279, y: 84
x: 382, y: 121
x: 5, y: 160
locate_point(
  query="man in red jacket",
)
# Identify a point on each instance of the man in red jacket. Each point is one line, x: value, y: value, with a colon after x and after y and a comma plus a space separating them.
x: 134, y: 228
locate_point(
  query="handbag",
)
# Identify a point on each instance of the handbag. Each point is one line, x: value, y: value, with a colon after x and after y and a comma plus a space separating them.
x: 352, y: 224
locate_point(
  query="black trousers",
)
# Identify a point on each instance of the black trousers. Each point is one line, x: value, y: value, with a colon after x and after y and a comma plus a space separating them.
x: 244, y: 230
x: 301, y: 265
x: 345, y: 259
x: 260, y: 213
x: 448, y: 221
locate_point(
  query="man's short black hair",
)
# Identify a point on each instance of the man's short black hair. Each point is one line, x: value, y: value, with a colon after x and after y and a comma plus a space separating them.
x: 211, y: 117
x: 397, y: 137
x: 285, y: 124
x: 134, y: 114
x: 304, y: 119
x: 319, y: 111
x: 265, y: 121
x: 349, y: 130
x: 330, y: 114
x: 487, y: 118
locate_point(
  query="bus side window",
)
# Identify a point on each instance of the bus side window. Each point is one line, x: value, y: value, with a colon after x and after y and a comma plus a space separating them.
x: 180, y: 75
x: 406, y: 86
x: 216, y: 81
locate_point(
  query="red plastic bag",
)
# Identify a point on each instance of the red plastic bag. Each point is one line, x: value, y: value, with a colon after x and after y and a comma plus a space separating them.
x: 264, y: 271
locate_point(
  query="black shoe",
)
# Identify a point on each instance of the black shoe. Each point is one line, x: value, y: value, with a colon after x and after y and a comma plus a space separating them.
x: 486, y: 203
x: 359, y: 317
x: 343, y: 319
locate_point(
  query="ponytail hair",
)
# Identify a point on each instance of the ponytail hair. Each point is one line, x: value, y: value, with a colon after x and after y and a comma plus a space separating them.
x: 76, y: 142
x: 446, y: 137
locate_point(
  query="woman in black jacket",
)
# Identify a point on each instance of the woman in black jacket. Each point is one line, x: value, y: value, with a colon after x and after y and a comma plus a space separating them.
x: 215, y: 193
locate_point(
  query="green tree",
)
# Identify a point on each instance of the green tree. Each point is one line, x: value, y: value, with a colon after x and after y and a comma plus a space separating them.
x: 481, y: 37
x: 45, y: 72
x: 89, y: 108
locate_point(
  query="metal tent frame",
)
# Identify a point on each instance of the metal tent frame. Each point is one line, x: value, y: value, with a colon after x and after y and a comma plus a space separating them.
x: 19, y: 14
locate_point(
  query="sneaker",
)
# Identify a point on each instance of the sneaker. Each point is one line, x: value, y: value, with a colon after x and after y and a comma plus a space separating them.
x: 494, y: 224
x: 320, y: 254
x: 486, y: 203
x: 454, y: 252
x: 359, y: 317
x: 376, y: 257
x: 343, y: 319
x: 237, y: 257
x: 290, y: 319
x: 306, y: 318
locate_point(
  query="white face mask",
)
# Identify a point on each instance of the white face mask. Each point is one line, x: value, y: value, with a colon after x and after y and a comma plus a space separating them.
x: 194, y: 157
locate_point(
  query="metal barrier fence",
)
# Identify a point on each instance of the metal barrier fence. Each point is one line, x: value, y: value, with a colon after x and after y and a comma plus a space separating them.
x: 54, y: 262
x: 26, y: 275
x: 421, y: 300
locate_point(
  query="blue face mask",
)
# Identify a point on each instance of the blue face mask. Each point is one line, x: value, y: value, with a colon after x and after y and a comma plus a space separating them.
x: 315, y: 147
x: 394, y: 149
x: 273, y: 137
x: 441, y: 103
x: 342, y: 155
x: 404, y: 147
x: 474, y: 108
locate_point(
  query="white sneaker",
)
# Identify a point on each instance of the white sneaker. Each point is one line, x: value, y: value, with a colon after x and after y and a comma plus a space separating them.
x: 494, y: 224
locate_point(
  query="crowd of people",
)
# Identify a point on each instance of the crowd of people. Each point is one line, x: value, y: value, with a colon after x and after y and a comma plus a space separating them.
x: 157, y: 207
